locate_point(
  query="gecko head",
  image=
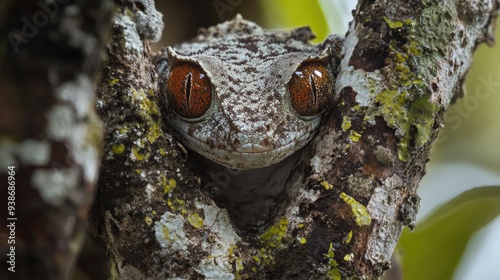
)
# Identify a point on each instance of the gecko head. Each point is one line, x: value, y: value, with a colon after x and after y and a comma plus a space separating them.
x: 250, y: 106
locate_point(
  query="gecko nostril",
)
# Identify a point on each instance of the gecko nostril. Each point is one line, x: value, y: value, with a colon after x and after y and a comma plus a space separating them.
x: 236, y: 142
x: 265, y: 143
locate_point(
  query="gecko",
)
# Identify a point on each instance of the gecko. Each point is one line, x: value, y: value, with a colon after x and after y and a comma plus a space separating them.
x: 245, y: 101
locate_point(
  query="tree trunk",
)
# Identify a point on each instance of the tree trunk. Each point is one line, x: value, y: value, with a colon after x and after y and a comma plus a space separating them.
x: 50, y: 136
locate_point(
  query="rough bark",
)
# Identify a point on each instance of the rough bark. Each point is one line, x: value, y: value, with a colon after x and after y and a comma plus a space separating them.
x: 351, y: 195
x: 49, y: 131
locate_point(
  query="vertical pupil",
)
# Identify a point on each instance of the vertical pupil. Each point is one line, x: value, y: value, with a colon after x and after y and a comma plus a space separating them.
x: 188, y: 90
x: 313, y: 89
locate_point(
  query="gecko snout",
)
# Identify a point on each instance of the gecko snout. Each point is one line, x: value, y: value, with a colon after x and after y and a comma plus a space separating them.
x: 257, y: 143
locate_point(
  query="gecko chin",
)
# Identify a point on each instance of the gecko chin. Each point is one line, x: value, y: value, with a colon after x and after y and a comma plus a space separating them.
x: 248, y: 156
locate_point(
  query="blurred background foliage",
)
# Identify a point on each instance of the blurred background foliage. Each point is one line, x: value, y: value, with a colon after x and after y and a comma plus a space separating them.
x: 458, y: 230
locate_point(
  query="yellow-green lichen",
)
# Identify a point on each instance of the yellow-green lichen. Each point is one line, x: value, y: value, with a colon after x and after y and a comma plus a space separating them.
x: 360, y: 212
x: 118, y: 148
x: 348, y: 257
x: 256, y: 259
x: 348, y: 238
x: 346, y: 123
x: 166, y: 234
x: 333, y: 273
x: 393, y: 107
x: 393, y: 24
x: 168, y: 185
x: 154, y: 132
x: 129, y: 13
x: 421, y: 115
x: 195, y: 220
x: 145, y: 101
x: 123, y: 130
x: 175, y: 204
x: 162, y: 151
x: 238, y: 262
x: 302, y: 240
x: 138, y: 155
x: 400, y: 57
x: 354, y: 136
x: 408, y: 21
x: 148, y: 220
x: 270, y: 240
x: 113, y: 82
x: 113, y: 273
x: 274, y: 235
x: 239, y: 265
x: 413, y: 48
x: 326, y: 185
x: 401, y: 114
x: 330, y: 254
x: 146, y: 109
x: 406, y: 102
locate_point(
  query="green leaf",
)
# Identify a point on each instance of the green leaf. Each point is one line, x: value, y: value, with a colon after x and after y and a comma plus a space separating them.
x: 295, y: 13
x: 435, y: 248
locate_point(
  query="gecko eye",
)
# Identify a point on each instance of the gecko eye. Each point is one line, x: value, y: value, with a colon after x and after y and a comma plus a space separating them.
x: 310, y: 88
x: 189, y: 90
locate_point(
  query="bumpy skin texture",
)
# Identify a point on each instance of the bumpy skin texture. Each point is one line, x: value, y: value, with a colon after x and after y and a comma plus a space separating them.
x: 250, y: 123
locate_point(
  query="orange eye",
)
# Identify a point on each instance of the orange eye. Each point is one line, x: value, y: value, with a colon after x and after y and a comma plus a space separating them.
x: 310, y: 88
x: 189, y: 90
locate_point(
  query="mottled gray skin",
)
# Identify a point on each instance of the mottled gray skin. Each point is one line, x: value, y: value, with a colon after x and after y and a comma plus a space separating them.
x: 250, y: 123
x: 248, y: 141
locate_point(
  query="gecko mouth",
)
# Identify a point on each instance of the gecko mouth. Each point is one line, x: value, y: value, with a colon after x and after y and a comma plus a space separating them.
x: 253, y: 148
x: 248, y: 156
